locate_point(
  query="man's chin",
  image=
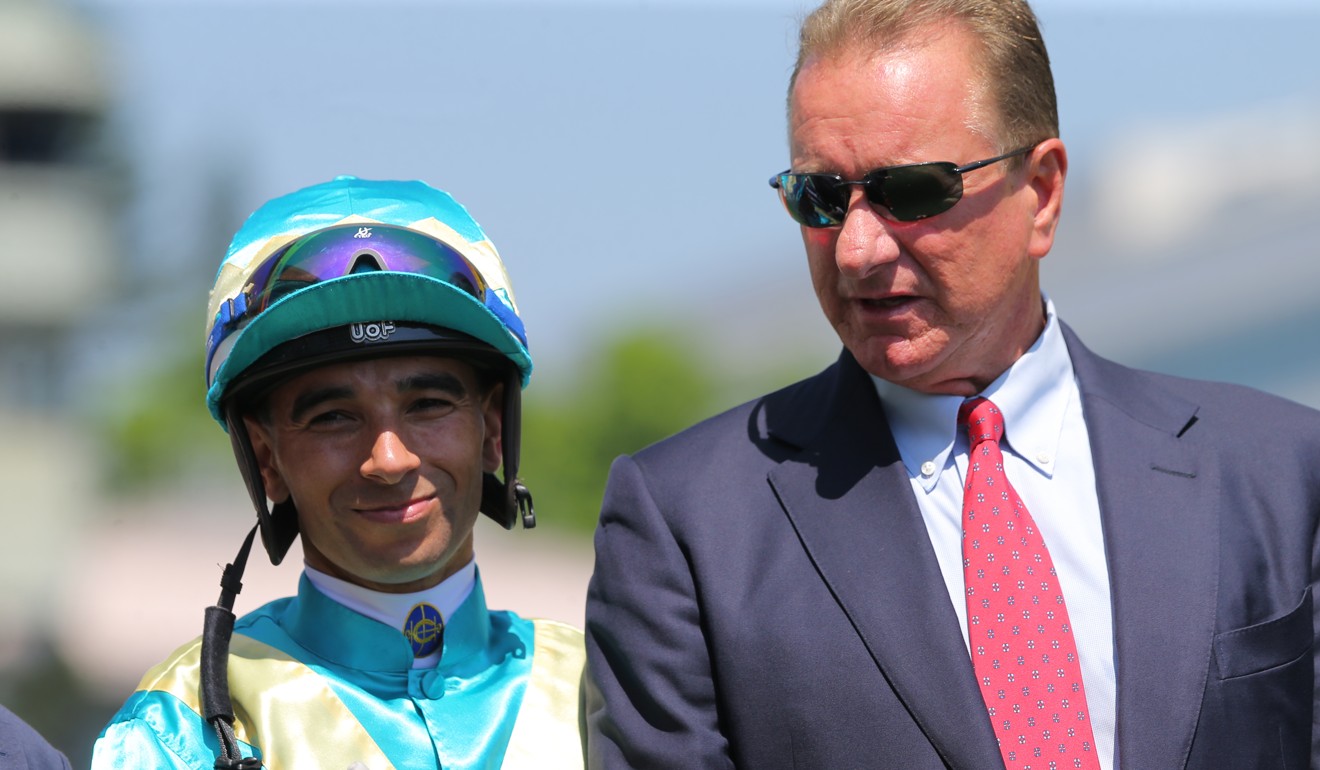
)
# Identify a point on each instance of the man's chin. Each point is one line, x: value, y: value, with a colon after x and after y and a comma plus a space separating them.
x: 921, y: 371
x: 894, y: 360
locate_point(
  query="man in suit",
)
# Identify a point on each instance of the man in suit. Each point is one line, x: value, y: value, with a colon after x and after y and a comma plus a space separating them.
x: 22, y: 748
x: 970, y: 543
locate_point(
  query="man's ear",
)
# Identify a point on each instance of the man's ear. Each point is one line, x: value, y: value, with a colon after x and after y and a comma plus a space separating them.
x: 264, y: 451
x: 1047, y: 167
x: 492, y: 443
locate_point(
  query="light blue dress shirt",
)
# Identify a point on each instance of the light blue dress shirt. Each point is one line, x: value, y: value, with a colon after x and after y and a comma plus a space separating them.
x: 1047, y: 457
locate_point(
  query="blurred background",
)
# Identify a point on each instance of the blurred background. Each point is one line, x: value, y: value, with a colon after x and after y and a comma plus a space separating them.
x: 617, y: 153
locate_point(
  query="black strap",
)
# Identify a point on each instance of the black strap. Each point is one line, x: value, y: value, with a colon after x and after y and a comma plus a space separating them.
x: 217, y: 629
x: 523, y: 500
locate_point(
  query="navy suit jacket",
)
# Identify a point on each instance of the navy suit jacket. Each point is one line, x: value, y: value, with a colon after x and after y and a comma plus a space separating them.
x: 765, y: 594
x: 22, y: 748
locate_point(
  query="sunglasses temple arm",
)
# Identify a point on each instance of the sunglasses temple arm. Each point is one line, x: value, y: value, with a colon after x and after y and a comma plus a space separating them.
x: 983, y: 163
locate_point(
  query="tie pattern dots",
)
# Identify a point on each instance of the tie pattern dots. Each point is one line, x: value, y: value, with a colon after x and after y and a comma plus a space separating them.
x: 1021, y: 641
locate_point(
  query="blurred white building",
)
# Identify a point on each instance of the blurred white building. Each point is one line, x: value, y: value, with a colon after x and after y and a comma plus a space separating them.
x: 56, y: 264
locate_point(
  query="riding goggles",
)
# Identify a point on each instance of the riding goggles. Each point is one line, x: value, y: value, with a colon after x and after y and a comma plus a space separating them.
x: 334, y: 253
x: 904, y: 193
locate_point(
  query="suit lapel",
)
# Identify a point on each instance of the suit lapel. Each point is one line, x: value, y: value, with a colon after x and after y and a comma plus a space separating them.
x: 850, y: 501
x: 1157, y: 502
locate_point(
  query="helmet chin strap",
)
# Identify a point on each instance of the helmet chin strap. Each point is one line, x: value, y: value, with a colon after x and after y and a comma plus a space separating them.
x: 279, y: 527
x: 217, y: 629
x: 524, y: 503
x: 509, y: 500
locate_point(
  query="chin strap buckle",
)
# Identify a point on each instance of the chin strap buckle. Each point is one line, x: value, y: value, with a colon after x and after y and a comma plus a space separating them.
x: 523, y: 501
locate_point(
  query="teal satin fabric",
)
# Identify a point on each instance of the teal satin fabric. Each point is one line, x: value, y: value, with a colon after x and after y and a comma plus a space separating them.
x: 164, y: 733
x: 464, y: 708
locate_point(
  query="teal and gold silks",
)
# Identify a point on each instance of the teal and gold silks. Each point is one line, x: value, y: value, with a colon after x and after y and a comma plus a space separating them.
x: 316, y: 685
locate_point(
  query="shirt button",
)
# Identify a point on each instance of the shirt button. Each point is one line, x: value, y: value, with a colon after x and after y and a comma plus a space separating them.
x: 426, y: 684
x: 928, y: 469
x: 1044, y: 458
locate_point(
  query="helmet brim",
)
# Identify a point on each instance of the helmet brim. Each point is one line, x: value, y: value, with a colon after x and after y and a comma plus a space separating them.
x: 358, y: 299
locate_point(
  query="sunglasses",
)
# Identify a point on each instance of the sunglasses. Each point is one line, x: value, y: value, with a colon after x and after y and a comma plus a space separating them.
x: 339, y: 251
x: 905, y: 193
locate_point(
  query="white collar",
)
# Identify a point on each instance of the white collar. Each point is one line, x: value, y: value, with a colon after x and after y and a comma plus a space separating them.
x: 1032, y: 395
x: 393, y: 609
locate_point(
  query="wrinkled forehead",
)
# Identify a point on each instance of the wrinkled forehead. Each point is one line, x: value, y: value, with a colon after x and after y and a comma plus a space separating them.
x: 930, y: 75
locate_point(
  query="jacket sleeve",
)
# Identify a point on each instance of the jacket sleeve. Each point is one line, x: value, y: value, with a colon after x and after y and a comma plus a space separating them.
x: 25, y: 747
x: 650, y: 695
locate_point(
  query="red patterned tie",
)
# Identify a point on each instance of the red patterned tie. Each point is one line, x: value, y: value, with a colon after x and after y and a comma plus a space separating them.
x: 1017, y: 625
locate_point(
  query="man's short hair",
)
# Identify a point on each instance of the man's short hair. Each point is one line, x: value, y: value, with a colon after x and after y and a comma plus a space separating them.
x: 1013, y: 63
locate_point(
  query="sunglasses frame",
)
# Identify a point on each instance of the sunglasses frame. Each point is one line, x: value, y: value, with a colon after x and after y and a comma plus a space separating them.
x: 873, y: 187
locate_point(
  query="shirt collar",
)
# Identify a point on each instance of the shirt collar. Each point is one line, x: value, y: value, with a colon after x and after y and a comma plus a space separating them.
x: 393, y: 609
x: 368, y: 644
x: 1032, y: 395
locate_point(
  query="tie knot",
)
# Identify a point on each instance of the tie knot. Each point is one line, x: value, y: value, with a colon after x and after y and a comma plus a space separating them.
x: 983, y: 420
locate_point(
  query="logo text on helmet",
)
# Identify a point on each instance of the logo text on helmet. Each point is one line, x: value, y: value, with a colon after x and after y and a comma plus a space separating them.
x: 377, y: 331
x: 363, y: 232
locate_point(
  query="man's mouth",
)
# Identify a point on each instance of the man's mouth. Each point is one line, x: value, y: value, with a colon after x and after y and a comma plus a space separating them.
x: 887, y: 303
x: 404, y: 511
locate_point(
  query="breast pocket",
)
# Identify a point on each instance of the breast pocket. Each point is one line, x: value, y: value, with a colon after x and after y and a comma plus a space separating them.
x: 1266, y: 645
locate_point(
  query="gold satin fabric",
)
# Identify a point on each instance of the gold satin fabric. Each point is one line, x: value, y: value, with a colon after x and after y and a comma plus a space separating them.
x: 262, y: 676
x: 547, y: 735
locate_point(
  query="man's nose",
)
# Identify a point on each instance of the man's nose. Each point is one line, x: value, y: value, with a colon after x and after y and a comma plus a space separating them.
x: 866, y: 239
x: 390, y: 459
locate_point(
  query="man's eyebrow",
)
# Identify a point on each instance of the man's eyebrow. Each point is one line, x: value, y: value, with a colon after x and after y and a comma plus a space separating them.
x: 308, y: 400
x: 442, y: 381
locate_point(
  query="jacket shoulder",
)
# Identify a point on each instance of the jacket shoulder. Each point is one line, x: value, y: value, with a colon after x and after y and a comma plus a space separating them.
x: 1182, y: 403
x: 777, y: 419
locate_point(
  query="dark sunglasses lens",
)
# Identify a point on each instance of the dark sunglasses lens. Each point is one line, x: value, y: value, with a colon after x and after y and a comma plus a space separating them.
x: 814, y: 200
x: 919, y: 191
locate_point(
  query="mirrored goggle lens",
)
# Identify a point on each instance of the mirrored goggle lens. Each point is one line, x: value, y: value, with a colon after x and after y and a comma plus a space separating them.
x: 339, y: 251
x: 904, y: 193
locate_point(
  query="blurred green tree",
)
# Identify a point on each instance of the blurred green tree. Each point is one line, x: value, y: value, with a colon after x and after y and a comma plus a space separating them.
x: 643, y: 385
x: 158, y: 432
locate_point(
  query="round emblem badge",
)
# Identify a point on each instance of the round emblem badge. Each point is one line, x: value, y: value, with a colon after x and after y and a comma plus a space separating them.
x: 425, y: 629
